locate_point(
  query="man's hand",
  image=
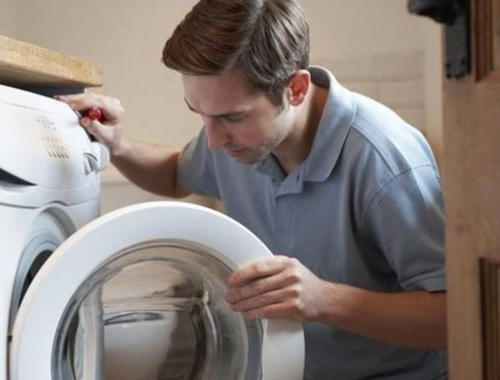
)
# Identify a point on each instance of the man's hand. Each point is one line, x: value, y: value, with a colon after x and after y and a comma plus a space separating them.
x: 109, y: 130
x: 279, y: 287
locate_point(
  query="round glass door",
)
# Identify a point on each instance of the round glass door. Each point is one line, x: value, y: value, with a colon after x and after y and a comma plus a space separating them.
x: 156, y: 311
x: 139, y: 294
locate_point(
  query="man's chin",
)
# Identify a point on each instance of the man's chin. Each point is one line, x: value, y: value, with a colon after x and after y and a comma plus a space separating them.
x: 247, y: 160
x: 244, y: 156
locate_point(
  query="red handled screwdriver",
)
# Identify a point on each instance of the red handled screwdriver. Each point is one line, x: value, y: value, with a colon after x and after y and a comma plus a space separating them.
x: 95, y: 113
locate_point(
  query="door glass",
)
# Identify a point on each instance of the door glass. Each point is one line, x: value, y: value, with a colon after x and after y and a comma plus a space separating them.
x: 40, y: 259
x: 157, y: 312
x: 37, y: 251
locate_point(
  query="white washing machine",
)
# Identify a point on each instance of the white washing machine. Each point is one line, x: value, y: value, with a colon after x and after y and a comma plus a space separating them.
x: 137, y: 294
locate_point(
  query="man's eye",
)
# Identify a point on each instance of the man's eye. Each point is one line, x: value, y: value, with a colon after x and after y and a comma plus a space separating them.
x: 235, y: 119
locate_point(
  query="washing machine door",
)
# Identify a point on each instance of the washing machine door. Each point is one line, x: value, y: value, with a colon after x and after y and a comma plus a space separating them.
x: 138, y: 294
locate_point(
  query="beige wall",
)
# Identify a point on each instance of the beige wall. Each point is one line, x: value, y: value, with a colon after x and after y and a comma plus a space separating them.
x: 127, y: 40
x: 354, y: 28
x: 433, y: 90
x: 379, y: 49
x: 367, y: 43
x: 8, y: 18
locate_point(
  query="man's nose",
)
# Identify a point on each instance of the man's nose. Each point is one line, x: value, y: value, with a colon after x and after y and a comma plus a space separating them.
x: 216, y: 135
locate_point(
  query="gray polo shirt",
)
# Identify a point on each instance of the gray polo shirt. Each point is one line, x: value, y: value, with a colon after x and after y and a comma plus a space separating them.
x: 365, y: 209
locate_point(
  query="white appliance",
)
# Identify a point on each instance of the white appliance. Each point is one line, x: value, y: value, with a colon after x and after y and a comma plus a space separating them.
x: 135, y: 294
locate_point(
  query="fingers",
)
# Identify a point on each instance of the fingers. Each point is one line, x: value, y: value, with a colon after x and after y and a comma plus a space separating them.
x: 81, y: 102
x: 280, y: 287
x: 263, y: 268
x: 109, y: 130
x: 279, y: 296
x: 95, y: 128
x: 276, y: 279
x: 271, y: 285
x: 112, y: 109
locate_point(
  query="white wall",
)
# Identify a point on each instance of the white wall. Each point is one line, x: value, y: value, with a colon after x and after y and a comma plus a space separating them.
x: 375, y: 47
x: 8, y: 18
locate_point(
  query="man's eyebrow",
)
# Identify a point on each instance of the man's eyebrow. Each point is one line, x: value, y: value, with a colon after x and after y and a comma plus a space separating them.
x: 222, y: 115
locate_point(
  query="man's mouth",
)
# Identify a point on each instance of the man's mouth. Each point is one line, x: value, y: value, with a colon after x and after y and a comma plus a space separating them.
x: 236, y: 152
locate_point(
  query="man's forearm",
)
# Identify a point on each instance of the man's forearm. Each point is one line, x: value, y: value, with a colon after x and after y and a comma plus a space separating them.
x: 150, y: 167
x: 413, y: 319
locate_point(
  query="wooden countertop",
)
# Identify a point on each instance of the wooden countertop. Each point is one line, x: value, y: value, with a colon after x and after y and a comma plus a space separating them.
x: 23, y: 65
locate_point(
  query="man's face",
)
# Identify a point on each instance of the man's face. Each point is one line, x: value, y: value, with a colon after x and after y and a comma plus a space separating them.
x: 245, y: 124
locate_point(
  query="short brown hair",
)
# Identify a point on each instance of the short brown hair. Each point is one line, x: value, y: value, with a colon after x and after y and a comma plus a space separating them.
x: 268, y: 40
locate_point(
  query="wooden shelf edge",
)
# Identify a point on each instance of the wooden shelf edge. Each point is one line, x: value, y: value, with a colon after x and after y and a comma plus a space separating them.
x: 23, y: 64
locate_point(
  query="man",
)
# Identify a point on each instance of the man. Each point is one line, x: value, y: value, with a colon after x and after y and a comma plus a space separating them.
x: 343, y: 191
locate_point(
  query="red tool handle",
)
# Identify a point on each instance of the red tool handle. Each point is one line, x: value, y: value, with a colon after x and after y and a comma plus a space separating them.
x: 95, y: 113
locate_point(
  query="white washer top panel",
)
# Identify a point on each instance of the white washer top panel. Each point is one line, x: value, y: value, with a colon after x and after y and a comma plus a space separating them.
x: 42, y: 142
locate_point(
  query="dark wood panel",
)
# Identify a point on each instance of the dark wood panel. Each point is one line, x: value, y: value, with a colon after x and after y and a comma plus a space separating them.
x: 491, y: 319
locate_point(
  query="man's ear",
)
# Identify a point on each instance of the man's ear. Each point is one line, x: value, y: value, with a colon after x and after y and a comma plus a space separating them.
x: 298, y: 87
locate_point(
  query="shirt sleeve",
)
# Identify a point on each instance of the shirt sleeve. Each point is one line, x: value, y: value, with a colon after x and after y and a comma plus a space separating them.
x: 196, y: 168
x: 406, y: 220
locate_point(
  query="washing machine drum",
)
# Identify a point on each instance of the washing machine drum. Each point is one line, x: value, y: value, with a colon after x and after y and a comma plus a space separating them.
x: 138, y: 294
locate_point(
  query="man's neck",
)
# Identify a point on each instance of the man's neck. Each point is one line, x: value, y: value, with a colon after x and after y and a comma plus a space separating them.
x: 297, y: 146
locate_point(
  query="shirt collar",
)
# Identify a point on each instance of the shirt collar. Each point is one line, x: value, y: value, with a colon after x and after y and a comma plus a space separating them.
x: 333, y: 128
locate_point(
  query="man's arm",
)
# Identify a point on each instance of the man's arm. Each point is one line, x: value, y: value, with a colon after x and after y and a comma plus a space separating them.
x: 150, y: 167
x: 411, y: 319
x: 282, y: 287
